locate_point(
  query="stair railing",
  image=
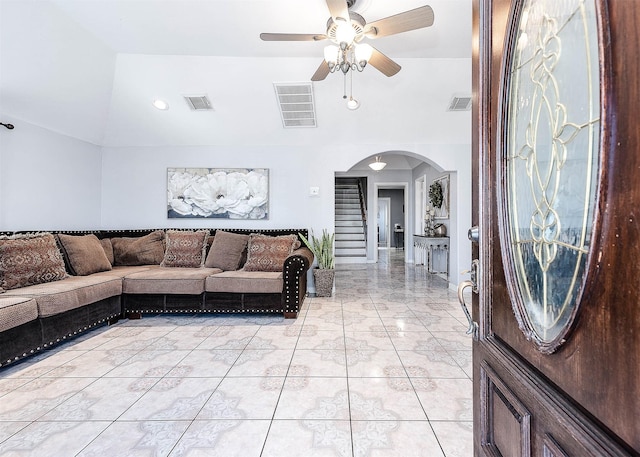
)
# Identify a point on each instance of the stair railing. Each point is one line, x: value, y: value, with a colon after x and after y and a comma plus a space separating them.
x: 363, y: 206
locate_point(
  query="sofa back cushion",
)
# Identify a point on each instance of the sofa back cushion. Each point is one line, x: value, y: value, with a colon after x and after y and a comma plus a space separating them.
x: 84, y: 254
x: 185, y: 248
x: 268, y: 253
x: 144, y: 250
x: 228, y: 251
x: 29, y: 259
x: 108, y: 249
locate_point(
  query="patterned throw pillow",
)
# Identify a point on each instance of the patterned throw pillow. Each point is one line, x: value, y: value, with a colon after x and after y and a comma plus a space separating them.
x: 185, y: 248
x: 30, y: 259
x: 268, y: 253
x: 84, y: 254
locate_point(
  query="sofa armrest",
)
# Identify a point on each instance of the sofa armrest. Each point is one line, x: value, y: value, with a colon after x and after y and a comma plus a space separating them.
x: 294, y: 280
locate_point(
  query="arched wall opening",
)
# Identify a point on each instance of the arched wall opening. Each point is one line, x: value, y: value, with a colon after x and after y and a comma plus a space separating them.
x: 414, y: 173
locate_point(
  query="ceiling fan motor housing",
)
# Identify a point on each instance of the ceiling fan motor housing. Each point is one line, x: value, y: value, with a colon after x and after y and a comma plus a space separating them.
x: 357, y: 24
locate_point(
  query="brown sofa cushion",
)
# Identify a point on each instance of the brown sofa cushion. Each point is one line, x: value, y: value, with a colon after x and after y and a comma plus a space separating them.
x: 144, y: 250
x: 268, y: 253
x: 74, y: 292
x: 84, y: 254
x: 245, y: 282
x: 227, y: 251
x: 15, y: 311
x: 185, y: 248
x: 176, y: 281
x: 108, y: 249
x: 29, y: 259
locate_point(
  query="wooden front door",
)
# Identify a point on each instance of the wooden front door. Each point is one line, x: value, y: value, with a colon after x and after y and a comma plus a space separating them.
x: 556, y: 157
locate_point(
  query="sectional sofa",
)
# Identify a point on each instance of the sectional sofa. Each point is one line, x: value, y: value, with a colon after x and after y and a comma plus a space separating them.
x: 56, y: 285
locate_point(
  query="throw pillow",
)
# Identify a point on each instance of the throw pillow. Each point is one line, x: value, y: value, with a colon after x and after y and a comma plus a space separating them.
x: 227, y: 251
x: 185, y: 248
x: 144, y: 250
x: 108, y: 249
x: 268, y: 253
x: 30, y: 259
x: 84, y: 254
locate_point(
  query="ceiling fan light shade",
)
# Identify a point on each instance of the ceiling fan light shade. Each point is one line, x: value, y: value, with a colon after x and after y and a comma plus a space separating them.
x: 377, y: 165
x: 363, y: 53
x: 331, y: 55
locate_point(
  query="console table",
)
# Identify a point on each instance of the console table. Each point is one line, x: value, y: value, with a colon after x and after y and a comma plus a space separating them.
x: 432, y: 251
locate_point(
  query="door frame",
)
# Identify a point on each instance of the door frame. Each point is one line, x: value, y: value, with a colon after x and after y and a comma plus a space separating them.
x: 393, y: 185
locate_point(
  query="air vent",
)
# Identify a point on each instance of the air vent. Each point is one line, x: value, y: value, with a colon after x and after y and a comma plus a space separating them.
x: 460, y: 103
x: 296, y: 104
x: 198, y: 102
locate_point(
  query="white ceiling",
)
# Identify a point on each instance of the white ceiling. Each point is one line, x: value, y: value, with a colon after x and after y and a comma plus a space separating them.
x: 90, y: 68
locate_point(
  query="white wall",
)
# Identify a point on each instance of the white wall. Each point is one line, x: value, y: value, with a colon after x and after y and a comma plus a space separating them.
x: 53, y: 72
x: 48, y: 181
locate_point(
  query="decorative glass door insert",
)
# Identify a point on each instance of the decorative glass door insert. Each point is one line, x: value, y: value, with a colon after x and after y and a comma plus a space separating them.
x: 551, y: 155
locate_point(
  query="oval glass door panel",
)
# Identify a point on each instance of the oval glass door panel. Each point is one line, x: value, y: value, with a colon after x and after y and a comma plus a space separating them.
x: 551, y: 162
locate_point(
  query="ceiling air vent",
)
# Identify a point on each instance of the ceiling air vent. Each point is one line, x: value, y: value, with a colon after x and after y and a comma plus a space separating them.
x: 198, y: 102
x: 460, y: 103
x: 296, y: 104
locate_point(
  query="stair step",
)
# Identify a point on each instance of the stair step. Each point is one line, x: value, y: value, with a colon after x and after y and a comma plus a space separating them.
x: 350, y: 237
x: 349, y: 217
x: 343, y: 223
x: 340, y: 244
x: 349, y: 230
x: 350, y: 252
x: 351, y: 214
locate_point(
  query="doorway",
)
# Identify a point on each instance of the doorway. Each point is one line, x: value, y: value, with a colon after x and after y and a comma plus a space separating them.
x: 392, y: 199
x: 384, y: 224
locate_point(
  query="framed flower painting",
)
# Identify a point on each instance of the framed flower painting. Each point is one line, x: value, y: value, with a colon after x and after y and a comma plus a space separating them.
x: 220, y: 193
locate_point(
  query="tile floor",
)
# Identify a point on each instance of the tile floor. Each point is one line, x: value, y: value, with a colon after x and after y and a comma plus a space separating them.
x: 383, y: 368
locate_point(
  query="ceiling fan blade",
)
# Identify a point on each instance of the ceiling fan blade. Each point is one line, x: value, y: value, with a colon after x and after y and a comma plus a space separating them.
x: 338, y: 8
x: 292, y: 37
x: 321, y: 72
x: 403, y: 22
x: 387, y: 66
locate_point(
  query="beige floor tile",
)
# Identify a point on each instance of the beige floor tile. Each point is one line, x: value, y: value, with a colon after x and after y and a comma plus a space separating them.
x: 136, y: 439
x: 395, y: 439
x: 243, y: 398
x: 309, y: 438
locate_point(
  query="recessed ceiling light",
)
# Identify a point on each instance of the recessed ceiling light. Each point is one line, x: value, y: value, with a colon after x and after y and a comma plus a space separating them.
x: 160, y: 104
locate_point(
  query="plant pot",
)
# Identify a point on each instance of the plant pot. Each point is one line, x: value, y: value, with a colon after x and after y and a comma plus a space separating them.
x: 324, y: 281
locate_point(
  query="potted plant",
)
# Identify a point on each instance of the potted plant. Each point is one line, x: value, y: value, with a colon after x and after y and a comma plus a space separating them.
x: 322, y: 249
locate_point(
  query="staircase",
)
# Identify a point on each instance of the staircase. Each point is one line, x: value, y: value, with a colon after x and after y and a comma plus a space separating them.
x: 351, y: 243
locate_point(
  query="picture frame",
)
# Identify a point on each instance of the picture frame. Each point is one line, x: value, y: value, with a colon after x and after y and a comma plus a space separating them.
x: 443, y: 211
x: 218, y: 193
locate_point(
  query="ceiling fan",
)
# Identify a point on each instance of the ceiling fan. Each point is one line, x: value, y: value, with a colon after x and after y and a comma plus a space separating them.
x: 347, y: 29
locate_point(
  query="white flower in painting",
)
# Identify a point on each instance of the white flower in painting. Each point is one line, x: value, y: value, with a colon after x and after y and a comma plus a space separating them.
x: 180, y: 206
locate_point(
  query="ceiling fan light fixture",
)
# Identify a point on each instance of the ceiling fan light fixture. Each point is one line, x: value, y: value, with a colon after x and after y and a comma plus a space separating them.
x: 363, y: 53
x: 331, y: 55
x: 377, y: 165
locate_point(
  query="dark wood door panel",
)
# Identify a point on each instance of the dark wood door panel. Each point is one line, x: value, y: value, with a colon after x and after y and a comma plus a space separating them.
x: 524, y: 416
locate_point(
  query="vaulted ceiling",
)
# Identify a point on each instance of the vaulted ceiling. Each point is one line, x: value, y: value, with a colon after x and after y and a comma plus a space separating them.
x: 90, y: 70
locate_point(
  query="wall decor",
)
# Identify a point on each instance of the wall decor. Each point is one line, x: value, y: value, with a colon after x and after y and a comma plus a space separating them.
x: 220, y: 193
x: 442, y: 212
